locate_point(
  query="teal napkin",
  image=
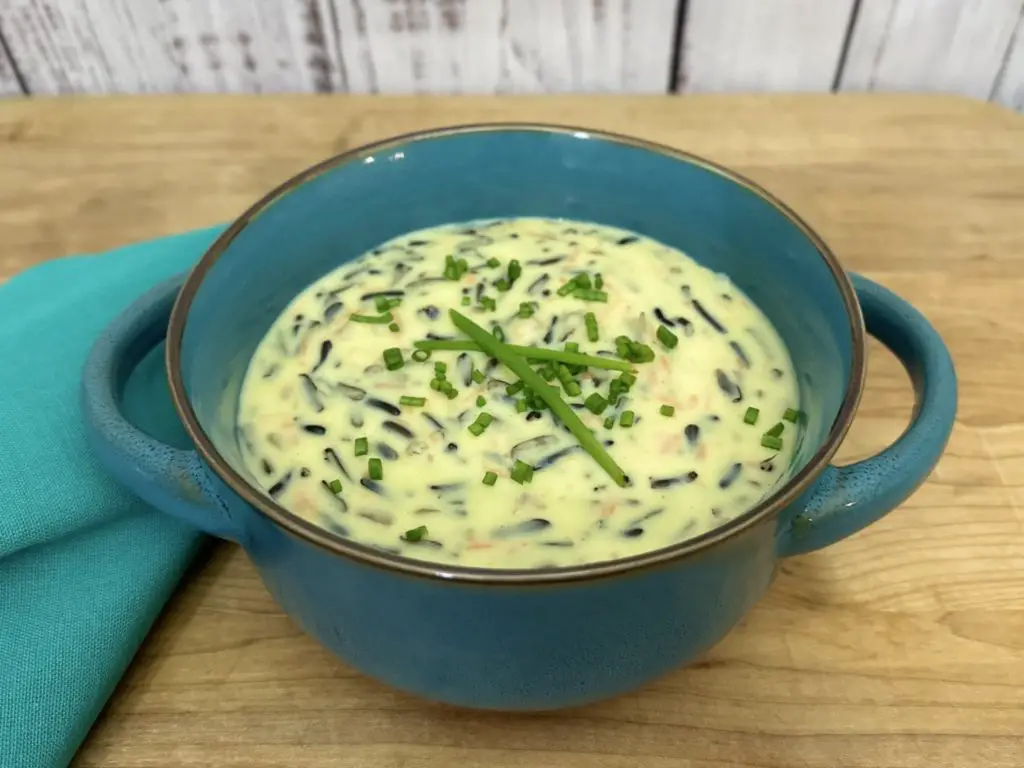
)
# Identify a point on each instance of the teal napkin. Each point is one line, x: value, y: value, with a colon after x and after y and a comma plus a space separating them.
x: 84, y: 566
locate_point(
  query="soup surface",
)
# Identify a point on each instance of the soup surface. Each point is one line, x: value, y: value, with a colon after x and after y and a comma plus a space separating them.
x: 685, y: 408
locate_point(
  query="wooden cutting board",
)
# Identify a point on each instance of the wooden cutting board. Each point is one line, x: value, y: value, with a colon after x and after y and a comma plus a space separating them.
x: 900, y: 647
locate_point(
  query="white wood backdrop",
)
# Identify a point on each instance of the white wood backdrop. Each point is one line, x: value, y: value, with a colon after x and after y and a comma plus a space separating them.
x: 971, y: 47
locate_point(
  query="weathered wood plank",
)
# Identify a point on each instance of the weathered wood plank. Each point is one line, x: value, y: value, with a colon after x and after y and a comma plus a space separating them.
x: 9, y: 85
x: 753, y: 45
x: 1008, y: 89
x: 486, y: 46
x: 139, y: 46
x: 955, y: 46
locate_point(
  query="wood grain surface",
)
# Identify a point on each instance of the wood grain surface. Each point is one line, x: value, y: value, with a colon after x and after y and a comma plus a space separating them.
x: 901, y: 647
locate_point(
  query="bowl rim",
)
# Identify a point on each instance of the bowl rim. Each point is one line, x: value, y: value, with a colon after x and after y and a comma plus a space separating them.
x: 365, y: 555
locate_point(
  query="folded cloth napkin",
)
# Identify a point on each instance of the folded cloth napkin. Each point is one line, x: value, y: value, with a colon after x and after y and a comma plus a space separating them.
x: 84, y: 566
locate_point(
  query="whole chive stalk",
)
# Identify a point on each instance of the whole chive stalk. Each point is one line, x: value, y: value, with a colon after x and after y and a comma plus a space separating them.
x: 511, y: 360
x: 530, y: 353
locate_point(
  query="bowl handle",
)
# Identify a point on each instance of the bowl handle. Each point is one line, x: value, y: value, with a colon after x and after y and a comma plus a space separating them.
x: 171, y: 479
x: 846, y: 499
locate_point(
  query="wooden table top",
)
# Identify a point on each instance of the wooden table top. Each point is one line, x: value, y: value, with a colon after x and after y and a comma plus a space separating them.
x: 902, y: 646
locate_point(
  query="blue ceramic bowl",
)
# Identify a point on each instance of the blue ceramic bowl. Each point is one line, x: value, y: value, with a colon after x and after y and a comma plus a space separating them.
x: 516, y: 640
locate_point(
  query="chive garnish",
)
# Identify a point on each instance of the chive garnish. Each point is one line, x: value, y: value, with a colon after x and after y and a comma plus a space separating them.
x: 750, y: 417
x: 522, y: 472
x: 595, y: 403
x: 421, y: 355
x: 511, y: 360
x: 521, y: 406
x: 477, y: 376
x: 466, y: 301
x: 609, y: 422
x: 497, y: 333
x: 667, y: 410
x: 590, y: 320
x: 769, y: 441
x: 791, y: 416
x: 666, y: 337
x: 627, y: 418
x: 628, y: 379
x: 514, y: 388
x: 393, y: 327
x: 530, y: 353
x: 362, y: 446
x: 515, y: 269
x: 415, y: 534
x: 393, y: 358
x: 490, y: 478
x: 598, y: 281
x: 502, y: 284
x: 485, y: 418
x: 384, y: 303
x: 383, y: 319
x: 481, y: 401
x: 476, y: 429
x: 416, y: 402
x: 440, y: 368
x: 776, y: 430
x: 590, y: 294
x: 376, y: 469
x: 488, y: 303
x: 492, y: 263
x: 525, y: 309
x: 335, y: 486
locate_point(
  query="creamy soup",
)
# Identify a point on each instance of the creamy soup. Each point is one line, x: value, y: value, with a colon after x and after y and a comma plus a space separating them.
x: 369, y: 409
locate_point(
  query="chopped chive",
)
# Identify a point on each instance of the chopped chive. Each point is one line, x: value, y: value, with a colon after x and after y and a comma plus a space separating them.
x: 484, y: 418
x: 451, y: 393
x: 476, y: 429
x: 384, y: 303
x: 421, y: 355
x: 481, y: 401
x: 490, y: 478
x: 567, y: 288
x: 628, y: 379
x: 335, y: 486
x: 436, y: 384
x: 771, y: 442
x: 488, y: 303
x: 750, y: 417
x: 497, y: 333
x: 511, y: 359
x: 502, y: 285
x: 415, y: 534
x: 525, y: 309
x: 383, y: 319
x: 590, y: 320
x: 627, y: 418
x: 572, y: 389
x: 376, y: 469
x: 590, y: 294
x: 515, y: 269
x: 466, y: 301
x: 572, y: 346
x: 609, y: 422
x: 667, y: 410
x: 393, y: 327
x: 583, y: 281
x: 362, y: 446
x: 776, y: 430
x: 792, y: 416
x: 413, y: 401
x: 477, y: 376
x: 666, y: 337
x: 440, y: 368
x: 598, y: 281
x: 531, y: 353
x: 521, y: 406
x: 393, y: 358
x: 547, y: 372
x: 492, y: 262
x: 522, y: 472
x: 595, y: 403
x: 514, y: 388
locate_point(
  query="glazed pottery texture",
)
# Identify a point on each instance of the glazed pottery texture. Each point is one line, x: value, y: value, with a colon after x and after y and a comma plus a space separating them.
x: 516, y: 640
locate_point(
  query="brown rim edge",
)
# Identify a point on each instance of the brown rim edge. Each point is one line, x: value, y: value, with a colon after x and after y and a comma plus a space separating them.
x: 485, y: 576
